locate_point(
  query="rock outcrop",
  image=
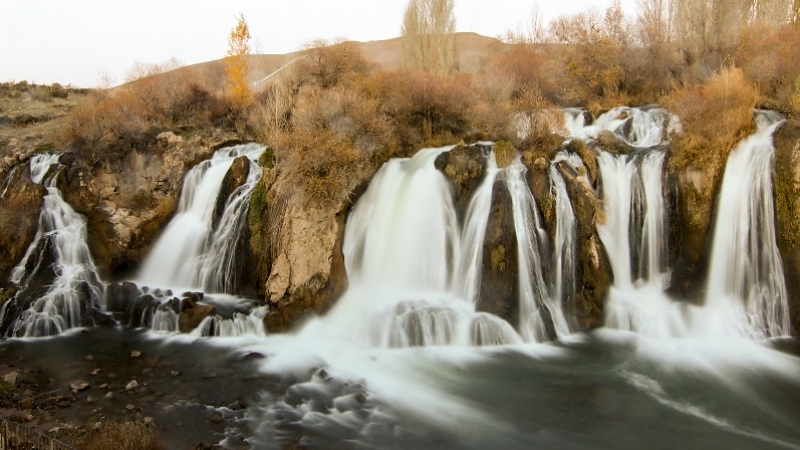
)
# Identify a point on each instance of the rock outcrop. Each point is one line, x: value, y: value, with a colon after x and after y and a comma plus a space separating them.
x: 787, y: 211
x: 128, y: 200
x: 499, y: 294
x: 465, y: 168
x: 593, y: 271
x: 20, y: 203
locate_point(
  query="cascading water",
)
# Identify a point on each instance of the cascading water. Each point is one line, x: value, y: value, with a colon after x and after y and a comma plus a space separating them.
x: 634, y: 235
x: 468, y: 273
x: 562, y: 286
x: 634, y: 230
x: 746, y: 293
x: 637, y: 127
x: 402, y: 247
x: 191, y: 253
x: 59, y: 248
x: 538, y: 309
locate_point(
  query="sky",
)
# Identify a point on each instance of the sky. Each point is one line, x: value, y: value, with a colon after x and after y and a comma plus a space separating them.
x: 78, y: 41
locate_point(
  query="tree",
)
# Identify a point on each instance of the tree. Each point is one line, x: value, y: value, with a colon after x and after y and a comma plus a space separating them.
x: 429, y: 29
x: 237, y: 83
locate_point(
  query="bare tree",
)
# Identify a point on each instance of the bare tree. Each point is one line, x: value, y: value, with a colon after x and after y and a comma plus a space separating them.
x: 429, y: 30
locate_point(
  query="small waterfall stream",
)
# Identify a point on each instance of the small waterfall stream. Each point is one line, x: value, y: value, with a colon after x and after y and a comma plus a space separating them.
x: 190, y: 253
x: 59, y: 249
x: 746, y: 292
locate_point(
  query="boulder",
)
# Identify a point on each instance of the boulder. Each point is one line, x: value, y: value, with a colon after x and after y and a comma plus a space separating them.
x: 192, y: 314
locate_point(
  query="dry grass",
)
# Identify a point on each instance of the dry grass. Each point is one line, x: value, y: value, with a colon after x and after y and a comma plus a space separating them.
x: 125, y: 436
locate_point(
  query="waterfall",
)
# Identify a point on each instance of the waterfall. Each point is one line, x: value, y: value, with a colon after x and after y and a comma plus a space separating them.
x: 637, y: 127
x: 634, y: 231
x: 59, y: 248
x: 413, y: 281
x: 563, y: 261
x: 216, y: 271
x: 471, y: 264
x: 634, y: 235
x: 746, y: 289
x: 8, y: 180
x: 537, y: 307
x: 190, y: 253
x: 239, y: 324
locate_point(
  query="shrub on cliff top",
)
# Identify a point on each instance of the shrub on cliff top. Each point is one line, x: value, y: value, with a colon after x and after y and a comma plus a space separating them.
x: 715, y: 116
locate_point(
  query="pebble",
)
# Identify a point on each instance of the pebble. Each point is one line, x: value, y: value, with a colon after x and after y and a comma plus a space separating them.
x: 78, y: 385
x: 149, y: 422
x: 175, y: 373
x: 131, y: 385
x: 110, y: 395
x: 95, y: 372
x: 130, y: 407
x: 89, y: 358
x: 216, y: 417
x: 104, y: 386
x: 136, y: 354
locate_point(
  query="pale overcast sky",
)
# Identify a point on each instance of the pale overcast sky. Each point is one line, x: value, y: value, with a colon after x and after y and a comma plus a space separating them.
x: 74, y: 41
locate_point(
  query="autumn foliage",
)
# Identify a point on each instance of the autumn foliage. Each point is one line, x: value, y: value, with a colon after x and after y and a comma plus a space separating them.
x: 237, y: 83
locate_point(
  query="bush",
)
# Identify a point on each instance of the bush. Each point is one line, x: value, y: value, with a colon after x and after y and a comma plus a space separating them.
x: 715, y: 117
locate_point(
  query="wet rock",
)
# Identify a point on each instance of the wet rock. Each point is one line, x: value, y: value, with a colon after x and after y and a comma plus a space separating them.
x: 130, y: 407
x: 19, y: 215
x: 89, y: 358
x: 464, y: 167
x: 11, y: 378
x: 94, y: 372
x: 251, y: 356
x: 592, y: 269
x: 136, y: 354
x: 149, y: 422
x: 786, y: 192
x: 499, y: 290
x: 192, y: 314
x: 234, y: 178
x: 109, y: 395
x: 131, y: 385
x: 79, y: 385
x: 175, y: 373
x: 216, y: 417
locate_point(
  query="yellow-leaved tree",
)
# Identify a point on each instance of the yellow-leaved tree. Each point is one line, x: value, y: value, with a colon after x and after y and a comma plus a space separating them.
x: 237, y: 84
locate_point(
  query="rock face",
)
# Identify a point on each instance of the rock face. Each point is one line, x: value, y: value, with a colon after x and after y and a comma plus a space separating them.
x: 20, y: 203
x: 499, y: 294
x: 128, y: 200
x: 787, y: 211
x: 593, y: 270
x: 464, y: 167
x: 692, y: 194
x: 234, y: 178
x: 296, y: 255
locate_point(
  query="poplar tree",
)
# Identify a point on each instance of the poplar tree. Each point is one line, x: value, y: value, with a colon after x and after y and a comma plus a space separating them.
x: 429, y: 36
x: 237, y: 83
